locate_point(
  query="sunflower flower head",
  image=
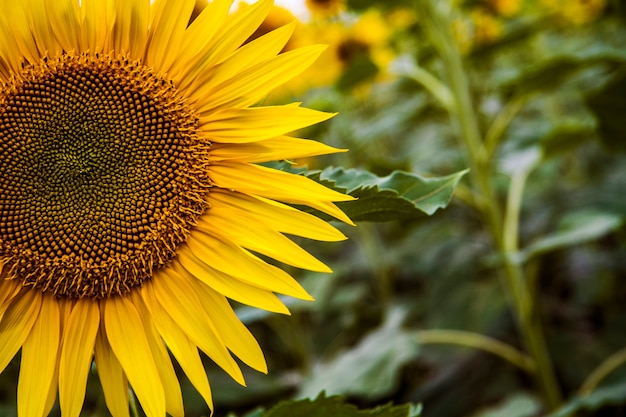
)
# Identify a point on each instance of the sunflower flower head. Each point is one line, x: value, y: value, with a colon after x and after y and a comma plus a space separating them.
x: 577, y: 12
x: 131, y: 139
x: 324, y: 9
x: 506, y: 8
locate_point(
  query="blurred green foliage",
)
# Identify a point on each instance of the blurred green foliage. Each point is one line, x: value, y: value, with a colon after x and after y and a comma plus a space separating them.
x: 548, y: 95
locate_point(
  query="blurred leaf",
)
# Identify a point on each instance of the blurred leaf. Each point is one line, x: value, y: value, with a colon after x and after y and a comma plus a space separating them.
x: 255, y: 413
x: 517, y: 405
x: 602, y: 396
x: 550, y: 74
x: 510, y: 38
x: 370, y: 368
x: 565, y: 138
x: 324, y: 406
x: 361, y: 69
x: 576, y: 228
x: 609, y: 106
x: 398, y: 196
x: 366, y: 4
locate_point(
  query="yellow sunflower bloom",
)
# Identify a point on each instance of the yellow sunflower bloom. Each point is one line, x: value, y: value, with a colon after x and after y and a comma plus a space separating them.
x: 325, y: 8
x: 131, y: 202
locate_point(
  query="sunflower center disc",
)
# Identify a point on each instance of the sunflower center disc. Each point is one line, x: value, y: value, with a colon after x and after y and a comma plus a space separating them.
x: 102, y: 175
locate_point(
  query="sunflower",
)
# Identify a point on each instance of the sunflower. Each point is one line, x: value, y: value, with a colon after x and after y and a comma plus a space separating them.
x: 325, y: 8
x: 132, y: 202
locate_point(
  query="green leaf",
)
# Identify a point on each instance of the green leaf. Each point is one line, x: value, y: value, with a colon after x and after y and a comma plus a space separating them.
x: 566, y: 137
x: 575, y: 228
x: 361, y: 69
x: 361, y: 5
x: 611, y: 395
x: 516, y: 405
x: 398, y: 196
x: 548, y: 75
x: 324, y: 406
x: 369, y: 369
x: 609, y: 107
x: 255, y: 413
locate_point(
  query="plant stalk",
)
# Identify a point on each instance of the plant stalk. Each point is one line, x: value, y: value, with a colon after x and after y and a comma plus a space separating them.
x: 480, y: 163
x: 477, y: 341
x: 602, y: 371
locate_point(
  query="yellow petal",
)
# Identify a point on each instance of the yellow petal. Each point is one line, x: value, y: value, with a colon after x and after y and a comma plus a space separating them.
x: 171, y: 385
x: 230, y: 36
x: 127, y: 338
x: 130, y: 30
x: 166, y: 32
x: 41, y: 28
x: 239, y: 27
x: 207, y: 75
x: 53, y: 389
x: 97, y: 18
x: 112, y: 379
x: 9, y: 288
x: 278, y: 216
x: 254, y: 179
x: 64, y: 19
x: 261, y: 239
x: 250, y: 54
x: 39, y: 359
x: 177, y: 297
x: 259, y: 123
x: 17, y: 323
x: 64, y: 306
x: 187, y: 263
x: 235, y: 335
x: 9, y: 50
x: 76, y: 354
x: 251, y: 85
x: 185, y: 351
x: 240, y: 264
x: 202, y: 30
x: 275, y: 149
x: 14, y: 23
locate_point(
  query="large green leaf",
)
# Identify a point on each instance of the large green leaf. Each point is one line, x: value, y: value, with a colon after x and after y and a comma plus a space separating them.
x: 324, y: 406
x: 369, y: 369
x: 398, y: 196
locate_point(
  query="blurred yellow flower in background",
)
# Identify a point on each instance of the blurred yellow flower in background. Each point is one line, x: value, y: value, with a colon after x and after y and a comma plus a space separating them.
x: 486, y: 27
x: 476, y: 28
x: 577, y: 12
x: 323, y: 9
x: 506, y: 8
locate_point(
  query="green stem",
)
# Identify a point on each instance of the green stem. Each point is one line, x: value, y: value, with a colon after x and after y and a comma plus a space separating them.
x: 467, y: 196
x: 498, y: 127
x: 523, y: 295
x: 438, y: 89
x: 479, y: 160
x: 477, y: 341
x: 602, y: 371
x: 510, y: 239
x: 132, y: 401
